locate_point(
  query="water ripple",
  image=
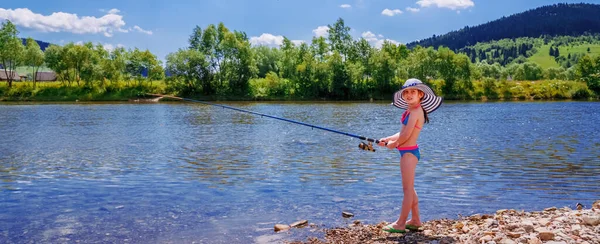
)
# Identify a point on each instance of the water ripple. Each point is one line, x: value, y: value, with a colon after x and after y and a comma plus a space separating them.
x: 181, y: 172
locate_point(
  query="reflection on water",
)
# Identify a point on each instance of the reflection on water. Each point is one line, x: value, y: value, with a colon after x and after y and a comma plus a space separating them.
x: 180, y: 172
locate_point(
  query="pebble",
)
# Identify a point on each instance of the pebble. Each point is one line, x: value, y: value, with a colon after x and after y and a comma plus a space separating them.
x: 591, y: 220
x: 347, y: 215
x: 507, y: 226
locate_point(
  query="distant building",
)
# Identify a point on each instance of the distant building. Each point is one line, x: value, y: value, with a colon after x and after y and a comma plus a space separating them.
x: 13, y: 74
x: 45, y: 76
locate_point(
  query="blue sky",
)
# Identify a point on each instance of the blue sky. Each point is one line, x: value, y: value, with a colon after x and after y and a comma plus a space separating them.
x: 165, y: 26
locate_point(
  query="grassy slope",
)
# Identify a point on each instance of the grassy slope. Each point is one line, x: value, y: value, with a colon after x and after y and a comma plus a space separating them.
x: 543, y: 58
x: 21, y: 70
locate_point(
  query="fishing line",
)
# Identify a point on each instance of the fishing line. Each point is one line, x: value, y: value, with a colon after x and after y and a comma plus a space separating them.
x: 364, y: 146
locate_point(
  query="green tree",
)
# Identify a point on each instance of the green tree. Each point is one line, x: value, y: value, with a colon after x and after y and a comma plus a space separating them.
x: 11, y: 50
x: 55, y: 60
x: 339, y: 37
x: 340, y: 87
x: 421, y: 63
x: 241, y: 63
x: 288, y: 59
x: 320, y: 48
x: 588, y: 70
x: 34, y: 58
x: 266, y: 60
x: 384, y: 68
x: 447, y: 69
x: 190, y: 72
x: 195, y: 39
x: 464, y: 71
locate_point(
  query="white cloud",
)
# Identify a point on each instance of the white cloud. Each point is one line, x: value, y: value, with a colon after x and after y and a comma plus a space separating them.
x: 139, y: 29
x: 109, y: 47
x: 267, y: 39
x: 345, y: 6
x: 369, y: 36
x: 321, y: 31
x: 376, y: 40
x: 414, y: 10
x: 114, y: 11
x: 451, y: 4
x: 298, y: 42
x: 107, y: 25
x: 390, y: 12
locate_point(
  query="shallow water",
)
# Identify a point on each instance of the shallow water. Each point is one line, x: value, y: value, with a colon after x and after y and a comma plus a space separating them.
x: 183, y: 172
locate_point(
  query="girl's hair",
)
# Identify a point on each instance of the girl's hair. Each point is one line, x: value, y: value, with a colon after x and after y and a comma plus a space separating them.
x: 424, y: 112
x: 425, y: 115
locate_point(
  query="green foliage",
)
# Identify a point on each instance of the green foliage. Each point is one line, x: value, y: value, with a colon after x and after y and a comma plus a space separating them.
x: 588, y: 69
x: 490, y: 88
x: 11, y: 49
x: 58, y: 91
x: 270, y: 87
x: 566, y: 19
x: 221, y: 63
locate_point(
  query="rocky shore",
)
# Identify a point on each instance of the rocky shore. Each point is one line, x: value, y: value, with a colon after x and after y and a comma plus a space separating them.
x: 507, y: 226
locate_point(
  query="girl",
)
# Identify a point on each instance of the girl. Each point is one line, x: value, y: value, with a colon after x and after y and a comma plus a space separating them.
x: 418, y: 100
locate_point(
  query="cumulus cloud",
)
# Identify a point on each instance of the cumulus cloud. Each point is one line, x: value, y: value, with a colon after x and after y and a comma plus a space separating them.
x: 414, y: 10
x: 345, y: 6
x: 107, y: 25
x: 321, y: 31
x: 376, y: 40
x: 267, y: 39
x: 391, y: 12
x: 451, y: 4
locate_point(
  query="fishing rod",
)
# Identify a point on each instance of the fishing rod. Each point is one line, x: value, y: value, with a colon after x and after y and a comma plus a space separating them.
x: 364, y: 146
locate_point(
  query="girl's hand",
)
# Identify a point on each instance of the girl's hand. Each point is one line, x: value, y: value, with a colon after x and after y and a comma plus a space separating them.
x: 390, y: 144
x: 382, y: 142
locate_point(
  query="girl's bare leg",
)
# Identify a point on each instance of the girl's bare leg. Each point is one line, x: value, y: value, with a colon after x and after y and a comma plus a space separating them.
x: 408, y: 164
x: 416, y: 218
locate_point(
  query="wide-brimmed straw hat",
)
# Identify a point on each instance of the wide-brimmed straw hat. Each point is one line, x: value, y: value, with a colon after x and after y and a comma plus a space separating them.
x: 430, y: 101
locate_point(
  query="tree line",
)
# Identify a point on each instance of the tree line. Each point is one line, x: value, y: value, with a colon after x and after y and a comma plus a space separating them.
x: 220, y: 62
x: 82, y: 64
x: 553, y: 20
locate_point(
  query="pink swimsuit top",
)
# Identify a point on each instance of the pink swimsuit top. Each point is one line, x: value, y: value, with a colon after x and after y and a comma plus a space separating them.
x: 404, y: 119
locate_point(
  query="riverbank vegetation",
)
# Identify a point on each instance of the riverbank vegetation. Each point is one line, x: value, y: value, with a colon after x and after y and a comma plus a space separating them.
x: 220, y: 64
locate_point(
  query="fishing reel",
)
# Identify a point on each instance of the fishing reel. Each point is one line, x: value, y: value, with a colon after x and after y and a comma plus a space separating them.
x: 366, y: 147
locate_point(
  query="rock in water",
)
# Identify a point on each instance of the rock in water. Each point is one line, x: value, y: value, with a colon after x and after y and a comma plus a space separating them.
x: 347, y: 214
x: 280, y: 227
x: 299, y: 223
x: 596, y: 204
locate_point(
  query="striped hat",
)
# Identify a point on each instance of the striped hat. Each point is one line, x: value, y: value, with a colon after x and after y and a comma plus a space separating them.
x: 430, y: 101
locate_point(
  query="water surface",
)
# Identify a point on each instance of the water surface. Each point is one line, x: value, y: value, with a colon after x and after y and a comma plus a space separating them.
x: 183, y: 172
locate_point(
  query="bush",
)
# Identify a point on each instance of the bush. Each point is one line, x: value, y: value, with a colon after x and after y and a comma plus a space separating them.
x: 581, y: 93
x: 270, y: 86
x: 489, y: 88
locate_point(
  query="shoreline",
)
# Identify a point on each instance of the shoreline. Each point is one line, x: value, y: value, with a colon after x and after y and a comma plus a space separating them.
x: 507, y: 226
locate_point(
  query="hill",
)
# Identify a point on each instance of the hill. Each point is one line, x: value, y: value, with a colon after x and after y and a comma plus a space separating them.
x: 552, y: 20
x: 43, y: 45
x: 559, y: 51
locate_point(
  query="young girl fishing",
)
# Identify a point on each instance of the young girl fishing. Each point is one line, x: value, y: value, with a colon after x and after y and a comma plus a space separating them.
x: 418, y: 100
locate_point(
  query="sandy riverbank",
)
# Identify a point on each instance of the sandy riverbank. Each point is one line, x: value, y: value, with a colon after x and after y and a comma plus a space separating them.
x: 506, y: 226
